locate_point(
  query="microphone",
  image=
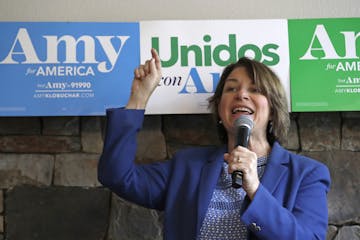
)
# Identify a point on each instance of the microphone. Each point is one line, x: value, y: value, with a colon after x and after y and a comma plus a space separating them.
x: 243, y: 126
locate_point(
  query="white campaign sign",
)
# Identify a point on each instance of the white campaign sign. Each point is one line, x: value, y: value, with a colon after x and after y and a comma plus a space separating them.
x: 194, y: 53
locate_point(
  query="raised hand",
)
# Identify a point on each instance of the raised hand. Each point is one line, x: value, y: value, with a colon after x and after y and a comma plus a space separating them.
x: 146, y: 79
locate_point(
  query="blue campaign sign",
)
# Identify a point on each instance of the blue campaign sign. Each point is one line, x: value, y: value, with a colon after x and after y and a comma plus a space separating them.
x: 66, y: 68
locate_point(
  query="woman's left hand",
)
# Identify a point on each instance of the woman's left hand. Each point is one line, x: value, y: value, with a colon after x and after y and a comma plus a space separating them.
x: 244, y: 160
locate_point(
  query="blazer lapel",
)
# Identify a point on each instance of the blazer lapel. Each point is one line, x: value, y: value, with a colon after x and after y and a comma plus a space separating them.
x: 209, y: 177
x: 275, y: 168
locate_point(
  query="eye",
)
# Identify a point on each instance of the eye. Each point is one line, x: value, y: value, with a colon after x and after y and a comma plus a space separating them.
x: 230, y: 89
x: 254, y: 89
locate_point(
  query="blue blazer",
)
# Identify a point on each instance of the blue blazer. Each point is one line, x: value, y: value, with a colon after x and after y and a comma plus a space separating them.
x: 290, y: 203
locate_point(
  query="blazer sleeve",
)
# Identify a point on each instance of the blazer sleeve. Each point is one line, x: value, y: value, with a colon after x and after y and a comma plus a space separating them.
x: 142, y: 184
x: 307, y: 217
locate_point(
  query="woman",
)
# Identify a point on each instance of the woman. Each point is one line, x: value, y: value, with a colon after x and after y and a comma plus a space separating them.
x: 283, y: 195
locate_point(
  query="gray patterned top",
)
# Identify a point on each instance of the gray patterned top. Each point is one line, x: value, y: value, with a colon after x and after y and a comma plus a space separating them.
x: 222, y: 219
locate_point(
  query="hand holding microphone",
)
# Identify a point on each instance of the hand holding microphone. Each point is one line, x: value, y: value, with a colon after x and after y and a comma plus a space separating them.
x: 243, y: 126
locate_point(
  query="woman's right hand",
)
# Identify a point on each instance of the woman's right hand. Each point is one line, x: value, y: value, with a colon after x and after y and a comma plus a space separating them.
x: 146, y: 79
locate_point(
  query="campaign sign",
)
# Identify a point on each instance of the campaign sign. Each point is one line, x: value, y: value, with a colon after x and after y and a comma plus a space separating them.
x: 194, y: 53
x: 58, y: 68
x: 325, y: 64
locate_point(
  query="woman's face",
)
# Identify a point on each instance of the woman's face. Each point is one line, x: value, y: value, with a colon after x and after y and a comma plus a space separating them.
x: 241, y: 97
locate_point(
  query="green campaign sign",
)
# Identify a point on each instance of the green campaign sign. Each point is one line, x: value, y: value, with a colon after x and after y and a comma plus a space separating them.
x: 325, y: 64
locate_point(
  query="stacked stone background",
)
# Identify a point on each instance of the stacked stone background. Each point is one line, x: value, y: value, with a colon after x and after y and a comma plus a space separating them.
x: 48, y: 173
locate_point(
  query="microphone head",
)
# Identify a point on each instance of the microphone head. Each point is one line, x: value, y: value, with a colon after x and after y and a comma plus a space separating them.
x: 244, y: 121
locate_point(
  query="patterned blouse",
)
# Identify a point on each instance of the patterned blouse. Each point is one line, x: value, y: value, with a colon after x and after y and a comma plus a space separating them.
x: 222, y: 220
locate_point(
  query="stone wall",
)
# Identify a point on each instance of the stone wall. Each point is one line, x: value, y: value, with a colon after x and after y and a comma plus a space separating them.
x: 49, y: 187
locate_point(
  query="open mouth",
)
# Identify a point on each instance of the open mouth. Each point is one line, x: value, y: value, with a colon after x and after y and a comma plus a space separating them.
x: 243, y: 110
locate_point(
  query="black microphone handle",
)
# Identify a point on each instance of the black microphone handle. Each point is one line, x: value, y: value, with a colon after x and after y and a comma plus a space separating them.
x: 242, y: 139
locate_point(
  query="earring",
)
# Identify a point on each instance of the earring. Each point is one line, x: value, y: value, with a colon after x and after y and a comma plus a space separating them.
x: 270, y: 127
x: 220, y: 122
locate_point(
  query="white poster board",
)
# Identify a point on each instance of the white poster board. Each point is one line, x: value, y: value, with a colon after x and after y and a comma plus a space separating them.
x: 194, y: 53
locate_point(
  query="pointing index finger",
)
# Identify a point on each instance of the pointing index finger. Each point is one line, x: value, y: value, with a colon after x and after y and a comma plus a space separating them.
x: 155, y: 56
